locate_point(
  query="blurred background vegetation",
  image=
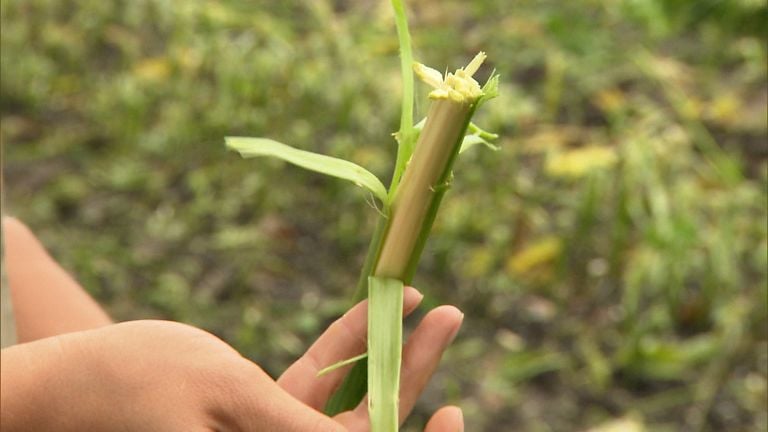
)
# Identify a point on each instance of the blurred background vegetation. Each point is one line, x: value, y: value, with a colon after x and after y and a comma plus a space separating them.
x: 611, y: 258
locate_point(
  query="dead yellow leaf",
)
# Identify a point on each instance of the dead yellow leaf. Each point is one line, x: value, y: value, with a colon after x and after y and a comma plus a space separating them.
x: 580, y: 161
x: 542, y: 251
x: 625, y: 424
x: 153, y: 69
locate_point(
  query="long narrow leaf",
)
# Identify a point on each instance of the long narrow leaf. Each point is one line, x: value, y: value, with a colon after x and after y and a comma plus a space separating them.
x: 385, y: 338
x: 335, y: 167
x: 342, y: 363
x: 406, y: 137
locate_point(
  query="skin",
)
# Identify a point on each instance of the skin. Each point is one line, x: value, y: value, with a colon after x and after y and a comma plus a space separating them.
x: 47, y: 301
x: 75, y: 370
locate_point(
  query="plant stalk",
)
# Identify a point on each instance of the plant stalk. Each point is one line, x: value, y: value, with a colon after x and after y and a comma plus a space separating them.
x: 399, y: 239
x: 426, y: 177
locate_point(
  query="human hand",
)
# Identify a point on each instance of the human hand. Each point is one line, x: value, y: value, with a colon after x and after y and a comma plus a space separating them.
x: 153, y: 355
x: 144, y: 376
x: 165, y: 376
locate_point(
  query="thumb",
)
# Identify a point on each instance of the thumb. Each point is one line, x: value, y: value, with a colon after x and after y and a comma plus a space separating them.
x: 446, y: 419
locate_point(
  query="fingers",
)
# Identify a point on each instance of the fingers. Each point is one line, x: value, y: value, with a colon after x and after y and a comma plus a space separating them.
x: 446, y: 419
x: 421, y: 356
x: 47, y: 301
x: 345, y: 338
x: 423, y: 351
x: 355, y: 420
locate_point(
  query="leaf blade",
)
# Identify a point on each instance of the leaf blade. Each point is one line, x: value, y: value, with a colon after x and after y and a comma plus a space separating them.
x: 341, y: 364
x: 323, y: 164
x: 406, y: 137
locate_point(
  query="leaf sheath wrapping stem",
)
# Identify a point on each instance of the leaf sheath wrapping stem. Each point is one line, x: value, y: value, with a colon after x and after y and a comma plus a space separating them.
x: 385, y: 339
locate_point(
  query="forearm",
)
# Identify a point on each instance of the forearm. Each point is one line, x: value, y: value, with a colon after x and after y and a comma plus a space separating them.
x: 47, y: 301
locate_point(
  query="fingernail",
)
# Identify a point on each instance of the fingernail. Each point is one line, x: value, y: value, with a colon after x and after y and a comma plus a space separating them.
x: 455, y: 331
x: 461, y: 420
x: 412, y: 297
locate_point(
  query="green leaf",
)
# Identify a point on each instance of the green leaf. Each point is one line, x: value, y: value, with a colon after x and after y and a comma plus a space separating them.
x: 470, y: 141
x: 490, y: 89
x: 335, y: 167
x: 406, y: 137
x: 342, y: 363
x: 484, y: 134
x: 477, y: 136
x: 385, y: 339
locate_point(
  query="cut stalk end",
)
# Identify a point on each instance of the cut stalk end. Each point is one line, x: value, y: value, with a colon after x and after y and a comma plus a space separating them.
x: 459, y: 86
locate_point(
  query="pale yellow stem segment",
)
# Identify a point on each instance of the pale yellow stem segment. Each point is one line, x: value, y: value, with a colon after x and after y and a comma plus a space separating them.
x: 443, y: 130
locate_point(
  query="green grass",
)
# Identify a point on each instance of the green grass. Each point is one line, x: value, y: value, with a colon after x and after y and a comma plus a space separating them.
x: 610, y: 258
